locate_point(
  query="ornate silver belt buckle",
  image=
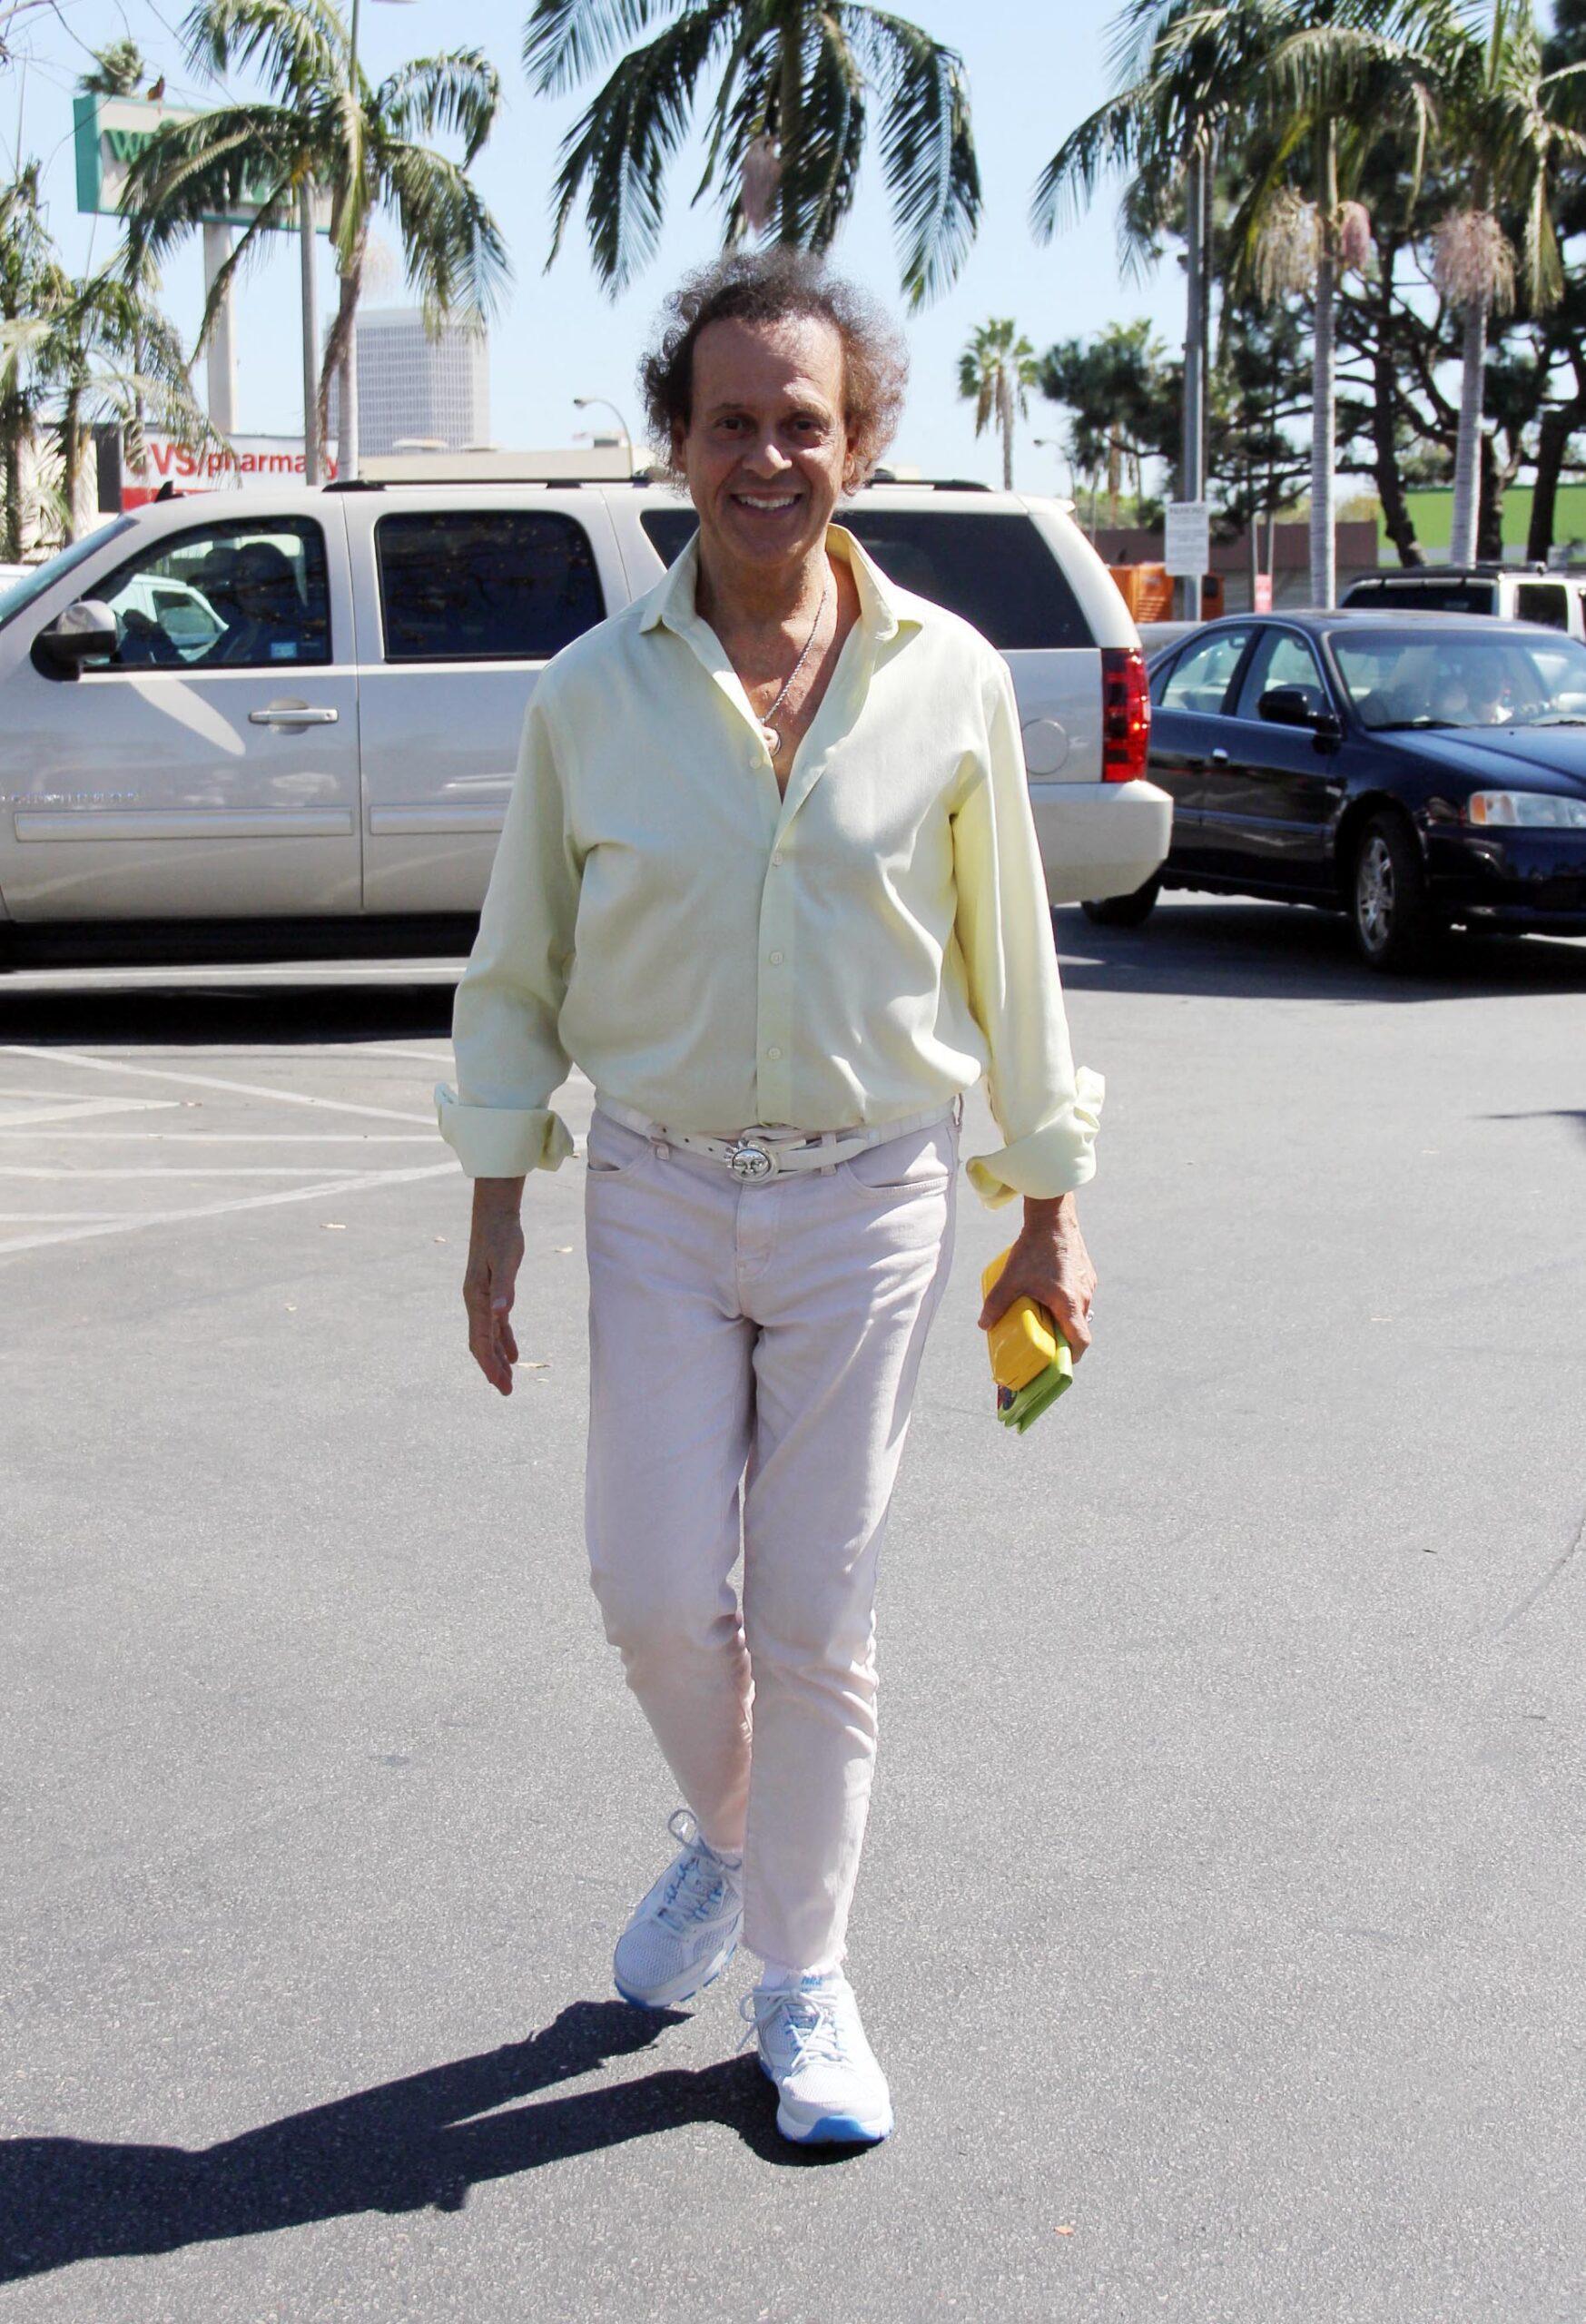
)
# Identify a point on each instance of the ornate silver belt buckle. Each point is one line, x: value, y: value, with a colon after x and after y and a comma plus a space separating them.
x: 747, y: 1160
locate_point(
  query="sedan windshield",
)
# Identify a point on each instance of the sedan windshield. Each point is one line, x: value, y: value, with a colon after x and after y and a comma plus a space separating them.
x: 1405, y: 678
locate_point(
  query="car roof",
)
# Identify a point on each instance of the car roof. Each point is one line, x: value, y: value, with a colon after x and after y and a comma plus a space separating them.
x: 1317, y: 623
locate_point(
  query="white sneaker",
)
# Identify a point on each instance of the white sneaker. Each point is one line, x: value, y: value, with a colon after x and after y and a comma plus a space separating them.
x: 830, y: 2089
x: 686, y: 1931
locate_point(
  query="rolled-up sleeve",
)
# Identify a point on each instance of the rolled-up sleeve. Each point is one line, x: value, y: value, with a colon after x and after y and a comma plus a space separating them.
x: 504, y: 1027
x: 1047, y: 1111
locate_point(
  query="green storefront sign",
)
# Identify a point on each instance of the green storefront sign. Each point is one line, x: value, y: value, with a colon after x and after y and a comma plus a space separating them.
x: 109, y: 132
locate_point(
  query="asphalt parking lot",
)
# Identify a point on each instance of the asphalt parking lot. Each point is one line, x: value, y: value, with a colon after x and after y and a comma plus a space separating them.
x: 1220, y: 1924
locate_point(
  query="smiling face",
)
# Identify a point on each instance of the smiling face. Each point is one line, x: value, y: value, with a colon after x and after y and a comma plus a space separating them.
x: 767, y: 444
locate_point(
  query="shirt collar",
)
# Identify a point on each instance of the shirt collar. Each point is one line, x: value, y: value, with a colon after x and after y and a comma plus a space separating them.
x: 672, y: 600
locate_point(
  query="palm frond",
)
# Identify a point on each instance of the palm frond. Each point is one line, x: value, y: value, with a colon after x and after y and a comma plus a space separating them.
x: 820, y: 173
x: 564, y: 40
x: 928, y: 152
x: 614, y: 157
x: 292, y: 44
x: 457, y: 259
x: 458, y: 92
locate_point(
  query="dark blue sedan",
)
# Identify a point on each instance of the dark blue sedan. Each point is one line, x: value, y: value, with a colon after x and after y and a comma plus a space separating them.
x: 1412, y: 770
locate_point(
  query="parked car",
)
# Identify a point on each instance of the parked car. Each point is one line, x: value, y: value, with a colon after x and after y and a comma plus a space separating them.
x: 1412, y: 770
x: 286, y: 716
x: 1511, y: 592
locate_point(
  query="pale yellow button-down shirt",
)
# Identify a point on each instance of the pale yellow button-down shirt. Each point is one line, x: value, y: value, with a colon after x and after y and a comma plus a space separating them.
x: 719, y: 956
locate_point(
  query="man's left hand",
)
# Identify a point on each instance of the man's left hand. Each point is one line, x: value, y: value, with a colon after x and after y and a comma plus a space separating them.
x: 1050, y: 1265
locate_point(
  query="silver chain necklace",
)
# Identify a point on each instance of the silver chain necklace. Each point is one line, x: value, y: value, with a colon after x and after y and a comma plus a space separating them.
x: 768, y: 727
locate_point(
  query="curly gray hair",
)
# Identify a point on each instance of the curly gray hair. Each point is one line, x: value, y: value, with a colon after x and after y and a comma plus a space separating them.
x: 769, y: 287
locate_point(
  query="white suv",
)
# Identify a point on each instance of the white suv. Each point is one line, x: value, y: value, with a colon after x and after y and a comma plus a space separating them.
x: 273, y: 721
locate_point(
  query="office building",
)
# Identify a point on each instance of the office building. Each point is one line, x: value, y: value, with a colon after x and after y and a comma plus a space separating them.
x: 412, y: 388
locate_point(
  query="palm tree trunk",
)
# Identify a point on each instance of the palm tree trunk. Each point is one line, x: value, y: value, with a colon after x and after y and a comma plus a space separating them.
x: 340, y: 363
x: 1324, y: 413
x: 1467, y: 492
x: 1005, y: 412
x: 11, y: 537
x: 70, y: 467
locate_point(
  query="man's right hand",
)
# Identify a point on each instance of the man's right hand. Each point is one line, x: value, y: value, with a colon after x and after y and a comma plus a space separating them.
x: 494, y: 1254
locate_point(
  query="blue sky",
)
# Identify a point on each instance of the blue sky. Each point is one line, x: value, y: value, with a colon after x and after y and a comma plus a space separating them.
x: 1035, y: 67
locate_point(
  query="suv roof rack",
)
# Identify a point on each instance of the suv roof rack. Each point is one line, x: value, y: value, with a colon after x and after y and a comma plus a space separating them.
x: 354, y: 484
x: 930, y: 483
x: 1483, y: 569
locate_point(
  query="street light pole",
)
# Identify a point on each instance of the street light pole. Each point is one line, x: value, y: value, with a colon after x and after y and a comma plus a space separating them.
x: 582, y: 403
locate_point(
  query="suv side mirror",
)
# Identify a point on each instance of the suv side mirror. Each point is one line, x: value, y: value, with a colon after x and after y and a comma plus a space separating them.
x: 85, y: 631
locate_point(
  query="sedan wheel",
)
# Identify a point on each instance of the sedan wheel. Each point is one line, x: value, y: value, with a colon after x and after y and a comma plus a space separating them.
x: 1392, y: 915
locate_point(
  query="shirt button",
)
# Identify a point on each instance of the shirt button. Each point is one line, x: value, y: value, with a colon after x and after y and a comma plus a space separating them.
x: 773, y: 1053
x: 776, y: 862
x: 776, y: 959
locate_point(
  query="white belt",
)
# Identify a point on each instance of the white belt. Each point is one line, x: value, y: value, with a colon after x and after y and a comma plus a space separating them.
x: 761, y: 1153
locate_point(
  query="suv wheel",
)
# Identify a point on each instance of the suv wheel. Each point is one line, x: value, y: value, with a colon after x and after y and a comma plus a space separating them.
x: 1124, y: 911
x: 1389, y: 910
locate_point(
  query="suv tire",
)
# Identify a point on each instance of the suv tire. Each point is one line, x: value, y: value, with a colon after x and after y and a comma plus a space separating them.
x: 1124, y: 911
x: 1390, y: 913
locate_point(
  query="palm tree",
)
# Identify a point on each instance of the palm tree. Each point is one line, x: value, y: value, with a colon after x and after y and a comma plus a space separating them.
x: 32, y: 282
x: 97, y: 349
x: 1331, y: 87
x: 996, y: 372
x: 787, y: 124
x: 330, y: 131
x: 1182, y: 70
x: 1270, y: 80
x: 1506, y: 119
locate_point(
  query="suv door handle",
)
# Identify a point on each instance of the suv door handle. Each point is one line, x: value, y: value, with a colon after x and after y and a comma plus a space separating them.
x: 286, y: 714
x: 1219, y: 758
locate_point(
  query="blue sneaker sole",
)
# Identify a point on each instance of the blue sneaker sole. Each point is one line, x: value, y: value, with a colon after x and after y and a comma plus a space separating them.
x: 828, y: 2130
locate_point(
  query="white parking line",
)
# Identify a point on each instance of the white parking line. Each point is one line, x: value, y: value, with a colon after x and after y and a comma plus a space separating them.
x: 245, y: 1136
x: 67, y: 1108
x: 205, y: 1081
x: 360, y: 1183
x: 51, y: 1218
x: 176, y: 1170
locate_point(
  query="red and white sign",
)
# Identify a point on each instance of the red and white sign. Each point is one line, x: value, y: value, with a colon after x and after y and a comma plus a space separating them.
x: 248, y: 460
x: 1261, y: 601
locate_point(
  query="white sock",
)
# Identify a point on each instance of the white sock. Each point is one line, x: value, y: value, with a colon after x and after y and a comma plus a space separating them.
x: 775, y: 1974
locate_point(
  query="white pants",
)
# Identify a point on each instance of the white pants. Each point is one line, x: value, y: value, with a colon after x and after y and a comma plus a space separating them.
x: 754, y: 1350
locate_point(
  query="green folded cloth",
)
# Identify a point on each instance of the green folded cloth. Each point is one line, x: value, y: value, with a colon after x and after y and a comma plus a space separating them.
x: 1020, y: 1408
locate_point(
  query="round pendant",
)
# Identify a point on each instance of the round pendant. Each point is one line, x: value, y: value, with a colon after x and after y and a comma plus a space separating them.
x: 773, y: 740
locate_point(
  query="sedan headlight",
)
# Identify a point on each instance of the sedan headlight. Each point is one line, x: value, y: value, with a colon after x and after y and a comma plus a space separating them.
x: 1539, y: 810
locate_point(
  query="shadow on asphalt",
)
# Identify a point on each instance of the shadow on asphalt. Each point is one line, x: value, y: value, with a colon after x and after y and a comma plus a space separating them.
x: 1253, y: 951
x: 229, y: 1008
x: 1233, y: 950
x: 414, y: 2144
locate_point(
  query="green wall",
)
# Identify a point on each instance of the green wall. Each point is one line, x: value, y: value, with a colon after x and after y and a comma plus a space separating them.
x: 1432, y: 513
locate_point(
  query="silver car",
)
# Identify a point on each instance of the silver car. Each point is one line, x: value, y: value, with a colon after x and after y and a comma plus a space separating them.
x: 270, y: 714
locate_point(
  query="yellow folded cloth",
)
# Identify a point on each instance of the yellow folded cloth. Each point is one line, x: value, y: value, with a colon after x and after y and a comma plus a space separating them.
x: 1030, y: 1361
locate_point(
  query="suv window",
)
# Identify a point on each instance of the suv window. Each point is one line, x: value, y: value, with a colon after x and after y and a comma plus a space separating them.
x: 1413, y: 594
x: 1282, y: 658
x: 240, y: 594
x: 489, y: 585
x: 1542, y: 601
x: 1200, y: 678
x: 996, y: 570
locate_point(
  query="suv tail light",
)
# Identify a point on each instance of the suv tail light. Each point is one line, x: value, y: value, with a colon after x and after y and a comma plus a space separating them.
x: 1126, y: 714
